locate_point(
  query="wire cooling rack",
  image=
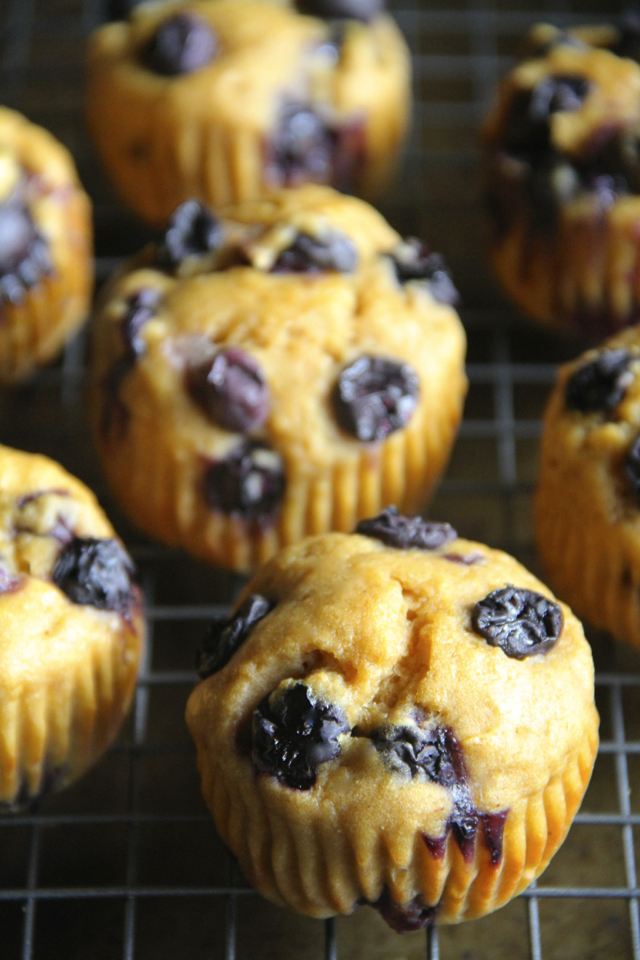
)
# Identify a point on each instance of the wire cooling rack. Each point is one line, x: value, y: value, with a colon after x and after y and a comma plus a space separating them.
x: 126, y: 864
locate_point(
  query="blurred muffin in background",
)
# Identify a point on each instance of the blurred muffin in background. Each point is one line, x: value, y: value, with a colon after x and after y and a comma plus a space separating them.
x: 563, y: 157
x: 46, y: 247
x: 222, y: 100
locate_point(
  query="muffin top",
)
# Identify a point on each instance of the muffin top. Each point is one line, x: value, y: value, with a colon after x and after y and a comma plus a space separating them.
x: 294, y: 328
x: 233, y: 54
x: 65, y: 579
x: 414, y: 678
x: 567, y: 117
x: 37, y: 175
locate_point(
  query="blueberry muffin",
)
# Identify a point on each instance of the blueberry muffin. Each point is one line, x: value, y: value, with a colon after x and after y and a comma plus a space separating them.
x: 397, y: 717
x: 223, y: 100
x: 46, y: 266
x: 588, y: 499
x: 285, y: 370
x: 564, y: 178
x: 71, y: 629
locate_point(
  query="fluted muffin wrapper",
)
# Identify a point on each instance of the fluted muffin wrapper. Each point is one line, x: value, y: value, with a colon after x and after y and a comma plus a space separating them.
x: 53, y: 728
x: 591, y: 564
x: 326, y: 863
x: 162, y: 489
x: 584, y: 277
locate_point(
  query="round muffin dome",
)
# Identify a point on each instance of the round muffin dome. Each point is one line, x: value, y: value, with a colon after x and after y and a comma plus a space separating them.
x: 46, y: 267
x: 564, y: 179
x: 398, y: 717
x: 588, y: 497
x: 224, y: 100
x: 286, y: 370
x: 71, y: 629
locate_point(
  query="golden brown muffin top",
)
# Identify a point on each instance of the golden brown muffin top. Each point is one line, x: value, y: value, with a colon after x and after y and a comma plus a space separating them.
x: 419, y: 715
x: 303, y: 284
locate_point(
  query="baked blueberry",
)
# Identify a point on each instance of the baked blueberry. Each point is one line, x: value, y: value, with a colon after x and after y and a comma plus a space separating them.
x: 24, y: 254
x: 181, y: 44
x: 301, y: 148
x: 375, y: 396
x: 226, y: 635
x: 600, y: 384
x: 521, y: 622
x: 527, y: 130
x: 248, y: 483
x: 295, y: 735
x: 96, y: 572
x: 412, y: 750
x: 405, y: 917
x: 307, y: 254
x: 232, y: 390
x: 632, y: 467
x: 396, y: 530
x: 192, y: 231
x: 414, y: 260
x: 141, y: 307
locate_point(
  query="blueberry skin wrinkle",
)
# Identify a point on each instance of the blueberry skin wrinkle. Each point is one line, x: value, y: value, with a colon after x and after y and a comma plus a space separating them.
x: 294, y: 736
x: 231, y: 389
x: 521, y: 622
x: 375, y: 396
x: 225, y: 636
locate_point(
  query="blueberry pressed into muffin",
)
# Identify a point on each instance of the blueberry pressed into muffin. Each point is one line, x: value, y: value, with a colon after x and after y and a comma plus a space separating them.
x: 71, y: 631
x: 564, y: 178
x: 224, y: 100
x: 46, y: 269
x: 396, y: 717
x: 287, y: 369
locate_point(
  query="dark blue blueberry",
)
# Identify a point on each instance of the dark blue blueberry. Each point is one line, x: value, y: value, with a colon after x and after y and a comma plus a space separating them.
x: 24, y: 253
x: 232, y: 390
x: 225, y: 636
x: 396, y: 530
x: 192, y: 231
x: 414, y: 260
x: 295, y: 735
x: 375, y: 396
x: 412, y: 750
x: 334, y: 252
x: 249, y: 483
x: 521, y: 622
x: 600, y: 384
x: 181, y: 44
x: 405, y: 917
x: 97, y: 572
x: 632, y: 467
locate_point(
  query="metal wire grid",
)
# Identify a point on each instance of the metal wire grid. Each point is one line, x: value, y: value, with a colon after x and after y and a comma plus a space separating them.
x: 483, y: 24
